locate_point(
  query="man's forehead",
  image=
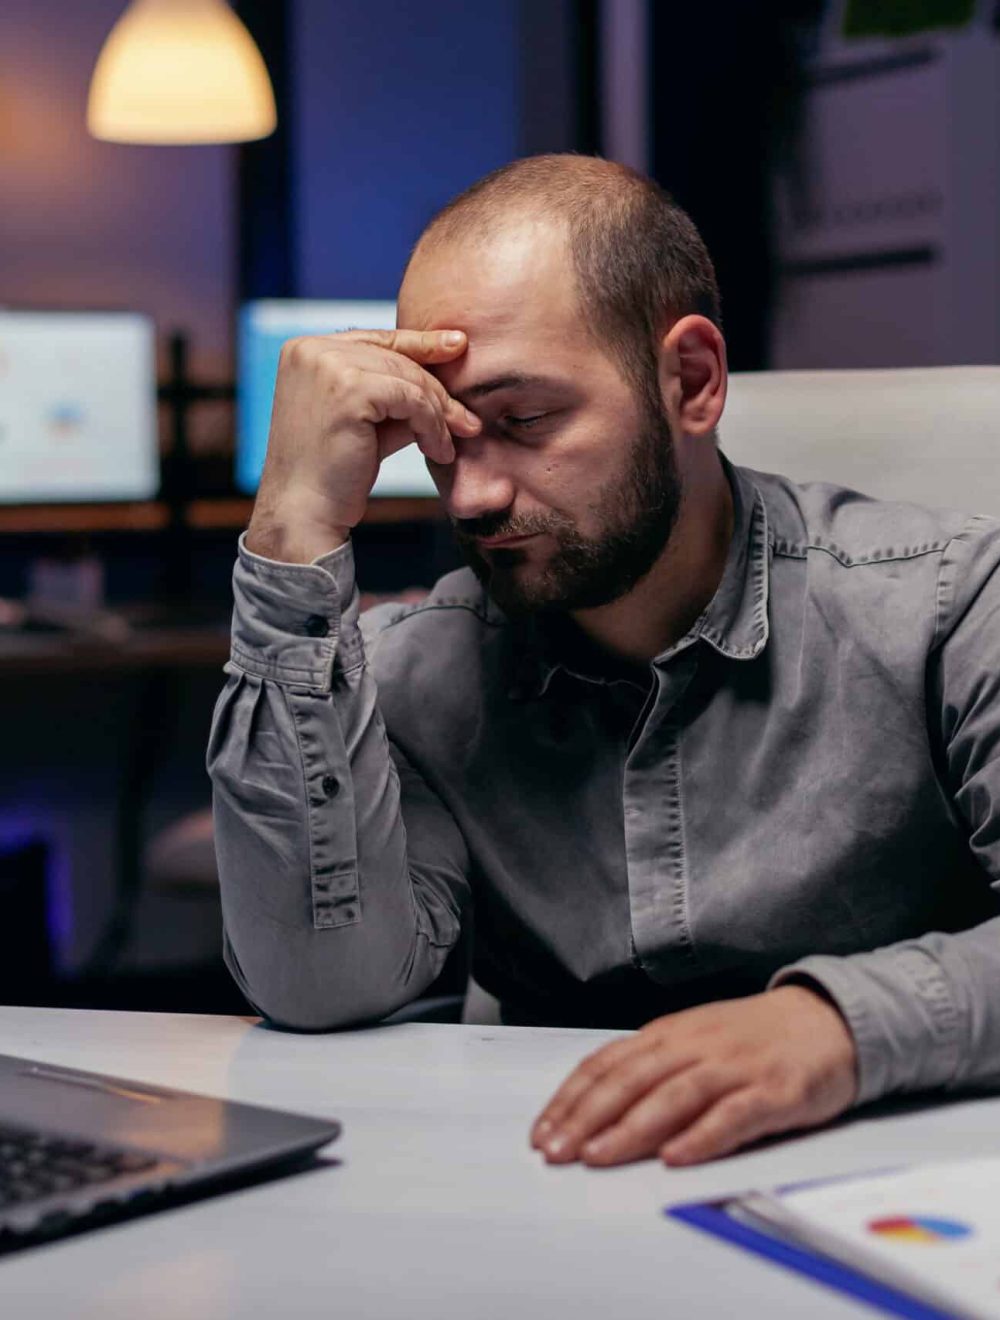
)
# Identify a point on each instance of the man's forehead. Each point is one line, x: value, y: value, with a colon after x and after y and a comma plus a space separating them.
x: 518, y: 280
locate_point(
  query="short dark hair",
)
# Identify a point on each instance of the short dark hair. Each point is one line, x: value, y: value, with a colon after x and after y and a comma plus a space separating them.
x: 640, y: 263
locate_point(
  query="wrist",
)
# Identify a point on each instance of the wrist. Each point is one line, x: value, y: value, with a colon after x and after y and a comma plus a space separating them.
x: 830, y: 1023
x: 289, y: 544
x: 289, y: 533
x: 806, y: 991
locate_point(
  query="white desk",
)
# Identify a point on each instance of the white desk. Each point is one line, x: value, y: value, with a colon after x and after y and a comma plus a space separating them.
x: 435, y: 1208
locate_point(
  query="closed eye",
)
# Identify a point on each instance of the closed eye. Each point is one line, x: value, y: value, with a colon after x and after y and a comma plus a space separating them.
x: 530, y: 420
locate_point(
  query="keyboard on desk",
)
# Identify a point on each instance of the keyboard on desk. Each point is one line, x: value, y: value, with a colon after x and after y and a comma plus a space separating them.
x: 47, y: 1180
x: 79, y: 1148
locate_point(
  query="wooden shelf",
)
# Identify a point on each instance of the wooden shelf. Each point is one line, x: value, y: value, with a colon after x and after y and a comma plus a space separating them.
x: 217, y: 515
x: 26, y: 655
x: 145, y: 517
x: 415, y: 509
x: 205, y: 515
x: 236, y: 512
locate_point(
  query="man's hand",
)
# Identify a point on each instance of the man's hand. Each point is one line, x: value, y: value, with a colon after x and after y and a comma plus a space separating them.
x: 703, y: 1082
x: 343, y: 403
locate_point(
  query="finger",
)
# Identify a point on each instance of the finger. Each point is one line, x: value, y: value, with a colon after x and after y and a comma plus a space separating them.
x: 392, y: 437
x: 663, y: 1112
x: 458, y: 418
x: 418, y: 345
x: 399, y: 400
x: 608, y: 1100
x: 585, y: 1075
x: 735, y: 1121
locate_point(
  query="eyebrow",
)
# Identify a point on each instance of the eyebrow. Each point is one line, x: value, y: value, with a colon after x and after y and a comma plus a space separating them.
x: 513, y: 380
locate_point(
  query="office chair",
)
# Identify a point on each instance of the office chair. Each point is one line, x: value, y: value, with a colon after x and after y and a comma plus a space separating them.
x: 927, y: 435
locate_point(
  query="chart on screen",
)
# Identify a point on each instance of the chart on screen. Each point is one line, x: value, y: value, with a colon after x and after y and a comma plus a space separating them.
x: 77, y: 407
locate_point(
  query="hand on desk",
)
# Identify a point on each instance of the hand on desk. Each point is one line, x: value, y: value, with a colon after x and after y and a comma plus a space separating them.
x: 701, y: 1083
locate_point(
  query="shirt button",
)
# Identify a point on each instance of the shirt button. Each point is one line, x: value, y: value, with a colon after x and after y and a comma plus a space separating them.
x: 316, y: 626
x: 330, y: 786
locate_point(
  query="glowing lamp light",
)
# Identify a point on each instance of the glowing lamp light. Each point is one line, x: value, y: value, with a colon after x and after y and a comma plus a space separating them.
x: 181, y: 72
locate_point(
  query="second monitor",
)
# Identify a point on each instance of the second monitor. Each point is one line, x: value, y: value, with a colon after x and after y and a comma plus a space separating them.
x: 264, y: 326
x: 77, y: 407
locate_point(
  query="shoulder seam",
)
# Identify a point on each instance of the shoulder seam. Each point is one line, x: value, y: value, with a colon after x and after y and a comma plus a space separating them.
x: 427, y: 607
x: 791, y: 550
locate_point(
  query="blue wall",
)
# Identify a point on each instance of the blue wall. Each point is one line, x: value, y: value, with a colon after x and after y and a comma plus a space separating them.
x: 399, y: 105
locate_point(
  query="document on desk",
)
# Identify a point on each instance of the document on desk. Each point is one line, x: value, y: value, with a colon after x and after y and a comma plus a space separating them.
x: 919, y: 1242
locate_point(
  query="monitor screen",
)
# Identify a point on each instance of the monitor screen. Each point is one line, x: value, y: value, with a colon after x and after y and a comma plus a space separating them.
x: 264, y: 327
x: 77, y: 407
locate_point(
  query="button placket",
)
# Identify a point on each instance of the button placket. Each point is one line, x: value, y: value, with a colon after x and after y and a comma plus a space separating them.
x: 654, y: 829
x: 334, y: 881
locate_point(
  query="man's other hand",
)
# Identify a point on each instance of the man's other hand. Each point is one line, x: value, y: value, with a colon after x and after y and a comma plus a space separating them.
x: 701, y: 1083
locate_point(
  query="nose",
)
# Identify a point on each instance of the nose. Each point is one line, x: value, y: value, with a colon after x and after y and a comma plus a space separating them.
x: 477, y: 482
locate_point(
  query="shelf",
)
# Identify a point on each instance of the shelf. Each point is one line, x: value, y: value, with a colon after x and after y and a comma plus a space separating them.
x: 26, y: 655
x: 236, y: 512
x: 144, y: 517
x: 204, y: 515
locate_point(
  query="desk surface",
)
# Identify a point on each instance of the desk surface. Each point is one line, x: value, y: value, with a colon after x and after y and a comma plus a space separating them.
x: 432, y: 1206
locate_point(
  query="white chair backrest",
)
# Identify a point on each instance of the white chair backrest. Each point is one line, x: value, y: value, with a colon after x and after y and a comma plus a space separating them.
x: 930, y: 435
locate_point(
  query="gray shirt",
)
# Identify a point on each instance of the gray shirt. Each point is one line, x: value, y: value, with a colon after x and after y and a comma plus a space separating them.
x: 807, y: 785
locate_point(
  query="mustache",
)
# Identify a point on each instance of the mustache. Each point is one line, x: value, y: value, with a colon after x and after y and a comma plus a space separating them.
x: 498, y: 524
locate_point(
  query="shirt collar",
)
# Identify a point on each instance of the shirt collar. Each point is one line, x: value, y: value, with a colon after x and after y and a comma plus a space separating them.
x: 735, y: 619
x: 734, y: 623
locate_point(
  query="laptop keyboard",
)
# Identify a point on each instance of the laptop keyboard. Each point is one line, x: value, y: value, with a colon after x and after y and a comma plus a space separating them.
x: 36, y: 1164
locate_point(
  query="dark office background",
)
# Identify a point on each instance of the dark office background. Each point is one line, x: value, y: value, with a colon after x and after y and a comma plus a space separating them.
x: 384, y: 113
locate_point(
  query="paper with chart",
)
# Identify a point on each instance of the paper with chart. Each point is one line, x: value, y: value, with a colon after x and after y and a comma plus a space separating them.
x: 932, y: 1231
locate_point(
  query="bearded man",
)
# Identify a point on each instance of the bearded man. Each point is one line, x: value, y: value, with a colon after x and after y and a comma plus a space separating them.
x: 696, y: 749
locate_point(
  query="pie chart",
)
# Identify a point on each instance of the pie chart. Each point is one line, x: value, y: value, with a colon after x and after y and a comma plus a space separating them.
x: 919, y: 1228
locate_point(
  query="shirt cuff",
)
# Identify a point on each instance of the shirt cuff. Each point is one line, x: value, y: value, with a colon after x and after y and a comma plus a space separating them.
x: 293, y: 622
x: 899, y: 1006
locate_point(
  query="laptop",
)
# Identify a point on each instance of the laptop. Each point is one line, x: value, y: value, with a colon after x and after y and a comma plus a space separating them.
x: 79, y: 1148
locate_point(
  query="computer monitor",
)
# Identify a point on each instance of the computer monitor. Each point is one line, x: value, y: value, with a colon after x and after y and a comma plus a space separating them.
x: 77, y: 407
x: 263, y: 327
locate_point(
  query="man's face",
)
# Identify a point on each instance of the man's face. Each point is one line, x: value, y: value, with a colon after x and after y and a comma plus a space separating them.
x: 570, y: 492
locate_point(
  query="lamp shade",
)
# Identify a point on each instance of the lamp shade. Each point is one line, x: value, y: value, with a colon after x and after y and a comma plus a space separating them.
x: 180, y: 71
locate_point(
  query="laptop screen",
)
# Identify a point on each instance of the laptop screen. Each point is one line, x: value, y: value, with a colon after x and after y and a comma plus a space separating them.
x: 263, y: 328
x: 77, y: 407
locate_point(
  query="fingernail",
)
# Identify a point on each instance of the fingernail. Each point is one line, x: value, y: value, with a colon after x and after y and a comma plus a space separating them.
x: 542, y: 1129
x: 594, y: 1147
x: 453, y: 338
x: 557, y: 1145
x: 471, y: 418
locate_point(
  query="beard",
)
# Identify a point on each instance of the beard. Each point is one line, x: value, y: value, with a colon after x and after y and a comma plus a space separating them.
x: 638, y: 508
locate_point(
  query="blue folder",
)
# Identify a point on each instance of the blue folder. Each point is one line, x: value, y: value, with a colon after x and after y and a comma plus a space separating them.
x: 713, y: 1217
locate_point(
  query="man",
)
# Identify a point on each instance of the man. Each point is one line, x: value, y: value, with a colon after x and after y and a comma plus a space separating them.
x: 696, y: 748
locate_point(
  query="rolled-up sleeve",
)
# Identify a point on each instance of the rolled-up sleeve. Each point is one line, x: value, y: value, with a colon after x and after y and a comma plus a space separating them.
x: 925, y: 1013
x: 343, y: 875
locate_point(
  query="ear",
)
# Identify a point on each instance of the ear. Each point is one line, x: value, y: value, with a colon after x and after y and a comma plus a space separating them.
x: 693, y: 374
